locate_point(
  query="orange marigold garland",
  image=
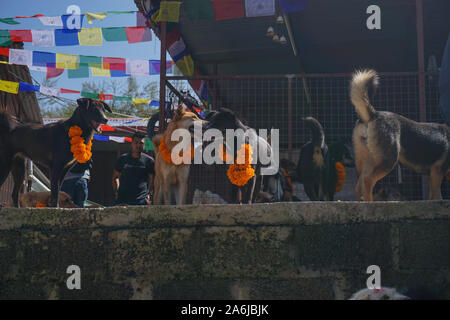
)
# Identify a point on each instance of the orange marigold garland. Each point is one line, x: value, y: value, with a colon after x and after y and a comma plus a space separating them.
x: 80, y: 150
x: 239, y: 174
x: 340, y: 173
x: 41, y: 205
x: 167, y: 154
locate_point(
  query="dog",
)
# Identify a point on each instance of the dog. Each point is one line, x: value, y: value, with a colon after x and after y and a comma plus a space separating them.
x: 316, y: 167
x: 170, y: 179
x: 48, y: 145
x: 381, y: 139
x: 224, y: 119
x: 31, y: 199
x: 207, y: 197
x: 279, y: 187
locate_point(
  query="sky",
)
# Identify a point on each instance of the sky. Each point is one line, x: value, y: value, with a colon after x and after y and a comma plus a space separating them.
x: 122, y: 49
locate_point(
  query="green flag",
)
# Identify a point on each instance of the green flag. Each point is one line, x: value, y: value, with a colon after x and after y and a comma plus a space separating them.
x: 199, y: 9
x: 91, y: 95
x: 114, y: 34
x: 5, y: 39
x: 148, y: 144
x: 81, y: 72
x: 9, y: 21
x: 118, y: 98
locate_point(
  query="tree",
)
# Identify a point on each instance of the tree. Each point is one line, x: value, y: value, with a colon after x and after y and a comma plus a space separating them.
x: 54, y: 107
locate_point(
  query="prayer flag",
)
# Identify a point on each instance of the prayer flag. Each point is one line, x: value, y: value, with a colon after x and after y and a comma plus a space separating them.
x: 199, y: 9
x: 72, y: 22
x: 90, y: 37
x: 114, y: 34
x: 228, y: 9
x: 53, y: 72
x: 95, y: 16
x: 66, y: 37
x: 23, y: 57
x: 28, y: 87
x: 138, y: 34
x: 43, y: 59
x: 81, y: 72
x: 55, y: 21
x: 114, y: 63
x: 97, y: 71
x: 49, y: 91
x: 176, y: 48
x: 20, y: 35
x: 43, y: 38
x: 66, y: 61
x: 259, y: 8
x: 69, y: 91
x: 186, y: 65
x: 137, y: 67
x: 9, y: 86
x: 9, y: 21
x: 4, y: 52
x: 4, y: 37
x: 289, y: 6
x: 91, y: 95
x: 139, y: 101
x: 140, y: 19
x: 117, y: 139
x: 169, y: 11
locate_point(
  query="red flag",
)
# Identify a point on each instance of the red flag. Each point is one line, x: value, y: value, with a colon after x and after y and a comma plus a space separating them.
x: 173, y: 36
x: 21, y: 35
x: 103, y: 96
x: 53, y: 72
x: 127, y: 139
x: 69, y: 91
x: 228, y: 9
x: 138, y: 34
x: 4, y: 51
x: 106, y: 128
x: 114, y: 63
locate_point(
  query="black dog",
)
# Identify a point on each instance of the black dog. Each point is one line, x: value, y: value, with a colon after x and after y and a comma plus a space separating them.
x: 226, y: 119
x: 48, y: 145
x: 316, y: 167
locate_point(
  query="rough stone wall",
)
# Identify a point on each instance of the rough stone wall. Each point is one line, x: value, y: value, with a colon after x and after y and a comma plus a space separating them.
x: 265, y: 251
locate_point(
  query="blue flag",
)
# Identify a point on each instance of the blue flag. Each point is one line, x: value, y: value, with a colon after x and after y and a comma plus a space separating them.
x: 290, y: 6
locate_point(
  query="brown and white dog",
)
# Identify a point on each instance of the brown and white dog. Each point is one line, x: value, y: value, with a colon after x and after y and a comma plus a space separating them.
x: 381, y: 139
x: 170, y: 179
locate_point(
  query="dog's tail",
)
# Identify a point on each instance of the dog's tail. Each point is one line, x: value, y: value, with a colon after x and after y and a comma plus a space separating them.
x: 317, y: 132
x: 6, y: 125
x: 362, y: 89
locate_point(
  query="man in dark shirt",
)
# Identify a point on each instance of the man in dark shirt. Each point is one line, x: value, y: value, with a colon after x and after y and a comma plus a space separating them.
x: 133, y: 174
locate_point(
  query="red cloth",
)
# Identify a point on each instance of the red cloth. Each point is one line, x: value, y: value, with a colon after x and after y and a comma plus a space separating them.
x: 172, y: 37
x: 128, y: 139
x: 4, y: 51
x: 228, y: 9
x: 53, y: 72
x: 21, y: 35
x: 69, y: 91
x: 106, y: 128
x: 114, y: 63
x: 138, y: 34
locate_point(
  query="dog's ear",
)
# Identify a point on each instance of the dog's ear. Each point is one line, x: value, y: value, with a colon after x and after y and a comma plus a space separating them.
x: 106, y: 106
x: 179, y: 112
x: 84, y: 103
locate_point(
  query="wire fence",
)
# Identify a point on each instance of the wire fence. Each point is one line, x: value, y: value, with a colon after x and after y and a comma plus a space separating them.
x: 280, y: 102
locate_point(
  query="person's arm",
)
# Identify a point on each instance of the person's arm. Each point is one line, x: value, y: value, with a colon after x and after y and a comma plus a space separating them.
x: 115, y: 182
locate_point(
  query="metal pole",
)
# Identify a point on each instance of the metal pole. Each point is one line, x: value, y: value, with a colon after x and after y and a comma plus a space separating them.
x: 162, y: 77
x: 421, y: 75
x: 290, y: 117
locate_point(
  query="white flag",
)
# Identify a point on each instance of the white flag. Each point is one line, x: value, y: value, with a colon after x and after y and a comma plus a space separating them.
x: 35, y: 68
x: 177, y: 47
x: 43, y: 38
x: 136, y: 67
x: 259, y: 8
x: 49, y: 91
x: 23, y: 57
x: 52, y: 21
x: 117, y: 139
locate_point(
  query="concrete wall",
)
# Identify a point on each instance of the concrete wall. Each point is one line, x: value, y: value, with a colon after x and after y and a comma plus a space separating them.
x: 266, y: 251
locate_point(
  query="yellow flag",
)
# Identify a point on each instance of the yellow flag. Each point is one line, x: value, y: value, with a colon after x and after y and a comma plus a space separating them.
x: 98, y: 71
x: 139, y: 101
x: 90, y: 37
x: 66, y: 61
x: 169, y: 11
x: 186, y: 65
x: 9, y: 86
x: 94, y: 16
